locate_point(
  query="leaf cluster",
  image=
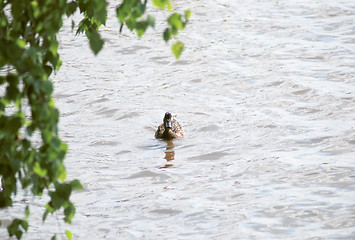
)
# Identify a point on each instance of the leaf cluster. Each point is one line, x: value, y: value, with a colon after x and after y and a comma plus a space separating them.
x: 95, y: 15
x: 132, y: 13
x: 28, y: 56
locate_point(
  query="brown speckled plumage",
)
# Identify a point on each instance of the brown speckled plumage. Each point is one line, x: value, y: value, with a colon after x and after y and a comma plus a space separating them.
x: 169, y: 129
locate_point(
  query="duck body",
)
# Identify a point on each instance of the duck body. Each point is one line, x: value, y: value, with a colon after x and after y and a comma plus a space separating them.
x: 169, y: 129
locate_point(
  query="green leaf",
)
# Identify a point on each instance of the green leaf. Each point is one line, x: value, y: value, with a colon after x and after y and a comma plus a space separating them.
x: 71, y: 8
x: 177, y: 49
x: 151, y: 21
x: 13, y: 52
x: 27, y: 211
x: 83, y: 25
x: 62, y: 174
x: 47, y: 87
x: 53, y: 47
x: 76, y: 185
x: 12, y: 92
x: 46, y: 134
x: 187, y: 14
x: 69, y: 213
x: 14, y: 227
x: 72, y: 25
x: 15, y: 123
x: 44, y: 217
x: 17, y: 10
x: 167, y: 34
x: 24, y: 224
x: 100, y: 11
x: 5, y: 200
x: 21, y: 43
x: 141, y: 27
x: 38, y: 170
x: 63, y: 191
x: 36, y: 10
x: 175, y: 21
x: 160, y: 3
x: 122, y: 12
x: 57, y: 201
x: 54, y: 237
x: 3, y: 21
x: 96, y: 43
x: 18, y: 234
x: 69, y: 234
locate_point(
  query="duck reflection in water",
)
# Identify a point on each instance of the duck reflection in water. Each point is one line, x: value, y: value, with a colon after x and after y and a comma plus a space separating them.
x: 168, y: 130
x: 169, y: 153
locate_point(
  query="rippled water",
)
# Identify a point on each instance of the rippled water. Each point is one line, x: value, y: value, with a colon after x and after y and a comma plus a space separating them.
x: 265, y: 91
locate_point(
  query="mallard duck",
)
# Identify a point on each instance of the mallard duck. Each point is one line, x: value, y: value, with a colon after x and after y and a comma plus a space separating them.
x: 169, y: 129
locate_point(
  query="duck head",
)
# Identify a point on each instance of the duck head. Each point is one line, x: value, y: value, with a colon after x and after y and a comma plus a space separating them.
x: 167, y: 120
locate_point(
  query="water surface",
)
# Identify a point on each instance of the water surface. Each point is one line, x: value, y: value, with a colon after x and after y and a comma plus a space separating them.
x: 265, y: 92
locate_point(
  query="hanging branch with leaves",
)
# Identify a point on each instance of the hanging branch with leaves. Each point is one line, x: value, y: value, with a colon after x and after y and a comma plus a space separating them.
x: 28, y: 56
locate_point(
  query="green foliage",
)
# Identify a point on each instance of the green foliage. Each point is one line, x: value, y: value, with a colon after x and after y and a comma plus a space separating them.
x: 95, y: 15
x: 162, y: 4
x: 176, y: 22
x: 132, y: 14
x: 177, y: 49
x: 17, y: 227
x: 96, y: 43
x: 69, y: 235
x: 28, y: 56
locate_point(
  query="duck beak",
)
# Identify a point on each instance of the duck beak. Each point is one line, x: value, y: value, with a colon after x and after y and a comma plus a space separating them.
x: 168, y: 124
